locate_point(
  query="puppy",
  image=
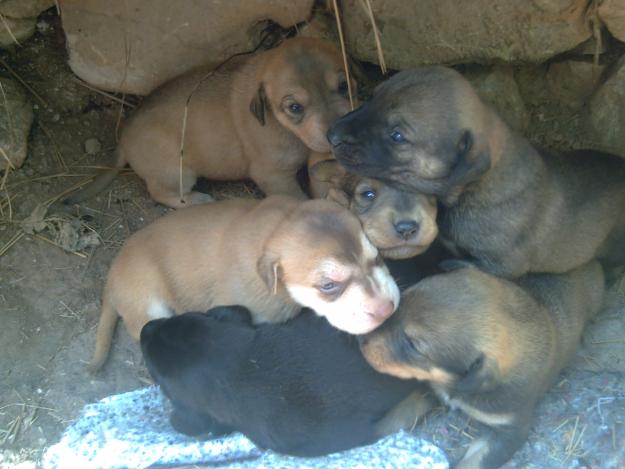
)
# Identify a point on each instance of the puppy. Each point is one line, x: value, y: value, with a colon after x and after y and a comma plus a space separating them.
x: 400, y: 224
x: 272, y: 256
x: 257, y: 117
x: 488, y: 346
x: 506, y: 207
x: 300, y: 388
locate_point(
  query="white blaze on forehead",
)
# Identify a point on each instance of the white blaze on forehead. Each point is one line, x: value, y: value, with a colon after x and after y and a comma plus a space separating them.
x: 386, y: 284
x: 333, y: 270
x: 369, y: 250
x: 157, y: 309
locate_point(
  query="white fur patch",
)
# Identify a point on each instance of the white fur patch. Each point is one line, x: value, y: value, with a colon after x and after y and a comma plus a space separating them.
x: 368, y: 249
x: 158, y: 310
x: 386, y: 284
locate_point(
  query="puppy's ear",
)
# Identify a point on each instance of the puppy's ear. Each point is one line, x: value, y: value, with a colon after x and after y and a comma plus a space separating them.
x: 269, y: 269
x: 258, y: 105
x: 338, y: 196
x: 478, y: 377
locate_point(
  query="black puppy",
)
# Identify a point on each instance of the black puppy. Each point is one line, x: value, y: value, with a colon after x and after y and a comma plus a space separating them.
x: 301, y: 388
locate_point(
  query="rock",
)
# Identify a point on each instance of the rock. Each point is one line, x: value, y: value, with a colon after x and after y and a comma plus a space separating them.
x: 16, y: 117
x: 573, y: 81
x: 92, y: 146
x: 24, y: 8
x: 132, y: 46
x: 16, y: 30
x: 612, y: 14
x: 606, y: 120
x: 497, y: 86
x: 448, y: 31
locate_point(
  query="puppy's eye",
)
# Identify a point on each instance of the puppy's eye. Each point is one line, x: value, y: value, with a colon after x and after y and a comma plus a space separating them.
x: 368, y: 195
x: 295, y: 108
x: 343, y: 88
x: 329, y: 288
x: 397, y: 137
x: 465, y: 143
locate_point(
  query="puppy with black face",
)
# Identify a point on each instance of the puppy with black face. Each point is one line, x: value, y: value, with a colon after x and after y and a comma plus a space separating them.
x: 488, y: 346
x: 301, y: 388
x: 506, y: 207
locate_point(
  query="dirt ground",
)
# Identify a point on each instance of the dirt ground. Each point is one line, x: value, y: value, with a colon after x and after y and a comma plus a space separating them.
x: 49, y: 296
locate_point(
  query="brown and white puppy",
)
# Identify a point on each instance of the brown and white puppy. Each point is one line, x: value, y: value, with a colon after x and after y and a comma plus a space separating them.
x: 401, y: 224
x: 505, y: 206
x: 487, y: 346
x: 272, y: 256
x: 257, y: 117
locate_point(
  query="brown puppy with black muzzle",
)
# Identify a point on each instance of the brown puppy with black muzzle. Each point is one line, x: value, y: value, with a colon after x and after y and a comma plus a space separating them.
x: 272, y: 256
x: 257, y: 117
x: 504, y: 206
x: 488, y: 346
x: 401, y: 224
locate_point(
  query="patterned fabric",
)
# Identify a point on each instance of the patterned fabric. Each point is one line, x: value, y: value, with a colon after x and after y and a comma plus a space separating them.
x: 132, y: 430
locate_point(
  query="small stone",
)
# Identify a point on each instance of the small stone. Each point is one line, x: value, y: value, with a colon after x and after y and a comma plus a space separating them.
x: 16, y: 117
x: 92, y: 146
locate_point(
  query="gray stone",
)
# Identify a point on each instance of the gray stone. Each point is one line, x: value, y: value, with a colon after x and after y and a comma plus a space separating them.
x: 132, y: 46
x: 16, y: 117
x: 497, y: 86
x: 24, y: 8
x: 606, y: 120
x: 482, y: 31
x: 92, y: 146
x: 573, y: 81
x: 612, y: 14
x: 14, y: 31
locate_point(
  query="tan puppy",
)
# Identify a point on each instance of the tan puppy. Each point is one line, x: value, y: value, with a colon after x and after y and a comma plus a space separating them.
x: 488, y: 346
x: 258, y: 117
x: 272, y: 256
x: 400, y: 224
x: 506, y: 207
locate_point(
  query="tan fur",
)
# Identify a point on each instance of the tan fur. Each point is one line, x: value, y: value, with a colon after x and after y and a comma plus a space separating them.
x: 488, y: 346
x: 239, y: 124
x: 252, y: 253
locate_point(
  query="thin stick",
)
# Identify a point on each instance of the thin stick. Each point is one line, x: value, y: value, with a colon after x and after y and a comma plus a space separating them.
x: 57, y: 152
x: 337, y: 16
x: 110, y: 96
x: 43, y: 238
x: 26, y: 85
x: 6, y: 25
x: 9, y: 116
x: 16, y: 237
x: 6, y: 157
x: 376, y: 36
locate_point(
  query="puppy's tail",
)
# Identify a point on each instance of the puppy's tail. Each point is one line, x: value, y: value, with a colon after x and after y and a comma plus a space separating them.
x: 104, y: 334
x: 101, y: 182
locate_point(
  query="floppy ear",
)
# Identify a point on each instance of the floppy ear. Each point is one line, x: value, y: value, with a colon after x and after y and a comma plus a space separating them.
x: 327, y: 171
x: 259, y: 104
x: 478, y: 378
x: 338, y: 196
x: 269, y: 269
x: 235, y: 313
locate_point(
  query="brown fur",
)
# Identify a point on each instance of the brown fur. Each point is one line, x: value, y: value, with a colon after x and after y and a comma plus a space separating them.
x: 239, y: 124
x: 272, y: 256
x: 399, y: 223
x: 488, y: 346
x: 505, y: 207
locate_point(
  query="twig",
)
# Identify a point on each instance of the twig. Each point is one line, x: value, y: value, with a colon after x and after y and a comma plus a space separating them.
x: 26, y: 85
x: 376, y: 35
x: 16, y: 237
x: 6, y: 25
x: 43, y: 238
x: 337, y: 16
x: 110, y: 96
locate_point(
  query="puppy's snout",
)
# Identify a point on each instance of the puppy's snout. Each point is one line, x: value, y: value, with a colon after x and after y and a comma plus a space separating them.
x: 382, y: 310
x: 406, y: 228
x: 334, y: 136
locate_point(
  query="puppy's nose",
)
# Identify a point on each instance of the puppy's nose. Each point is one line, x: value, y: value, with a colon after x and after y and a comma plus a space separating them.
x: 334, y: 136
x: 406, y: 228
x: 382, y: 310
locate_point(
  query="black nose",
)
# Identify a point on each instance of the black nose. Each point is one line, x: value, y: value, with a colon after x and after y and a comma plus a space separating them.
x: 334, y: 136
x: 406, y: 228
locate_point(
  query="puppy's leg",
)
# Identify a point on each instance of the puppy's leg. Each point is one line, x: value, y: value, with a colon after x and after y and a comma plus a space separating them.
x: 104, y: 334
x: 494, y: 448
x: 406, y: 414
x: 277, y: 182
x: 167, y: 191
x: 192, y: 423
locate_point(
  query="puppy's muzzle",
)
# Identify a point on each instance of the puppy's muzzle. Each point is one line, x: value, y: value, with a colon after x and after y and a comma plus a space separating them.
x: 381, y: 311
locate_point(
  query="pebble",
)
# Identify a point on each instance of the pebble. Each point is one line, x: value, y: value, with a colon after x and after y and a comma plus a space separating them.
x: 92, y: 146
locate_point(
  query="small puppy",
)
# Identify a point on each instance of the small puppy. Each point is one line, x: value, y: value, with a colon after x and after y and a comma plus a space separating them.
x: 257, y: 117
x: 488, y: 346
x: 272, y: 256
x: 399, y: 223
x: 505, y: 207
x: 300, y: 388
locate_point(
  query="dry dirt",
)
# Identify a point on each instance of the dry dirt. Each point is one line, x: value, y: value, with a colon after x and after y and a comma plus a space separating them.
x: 49, y: 297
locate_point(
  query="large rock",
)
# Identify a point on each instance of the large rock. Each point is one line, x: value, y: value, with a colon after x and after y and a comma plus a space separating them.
x: 606, y: 121
x: 24, y: 8
x: 132, y: 46
x: 612, y: 14
x: 16, y: 117
x: 497, y: 86
x: 16, y: 30
x: 449, y: 31
x: 573, y: 81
